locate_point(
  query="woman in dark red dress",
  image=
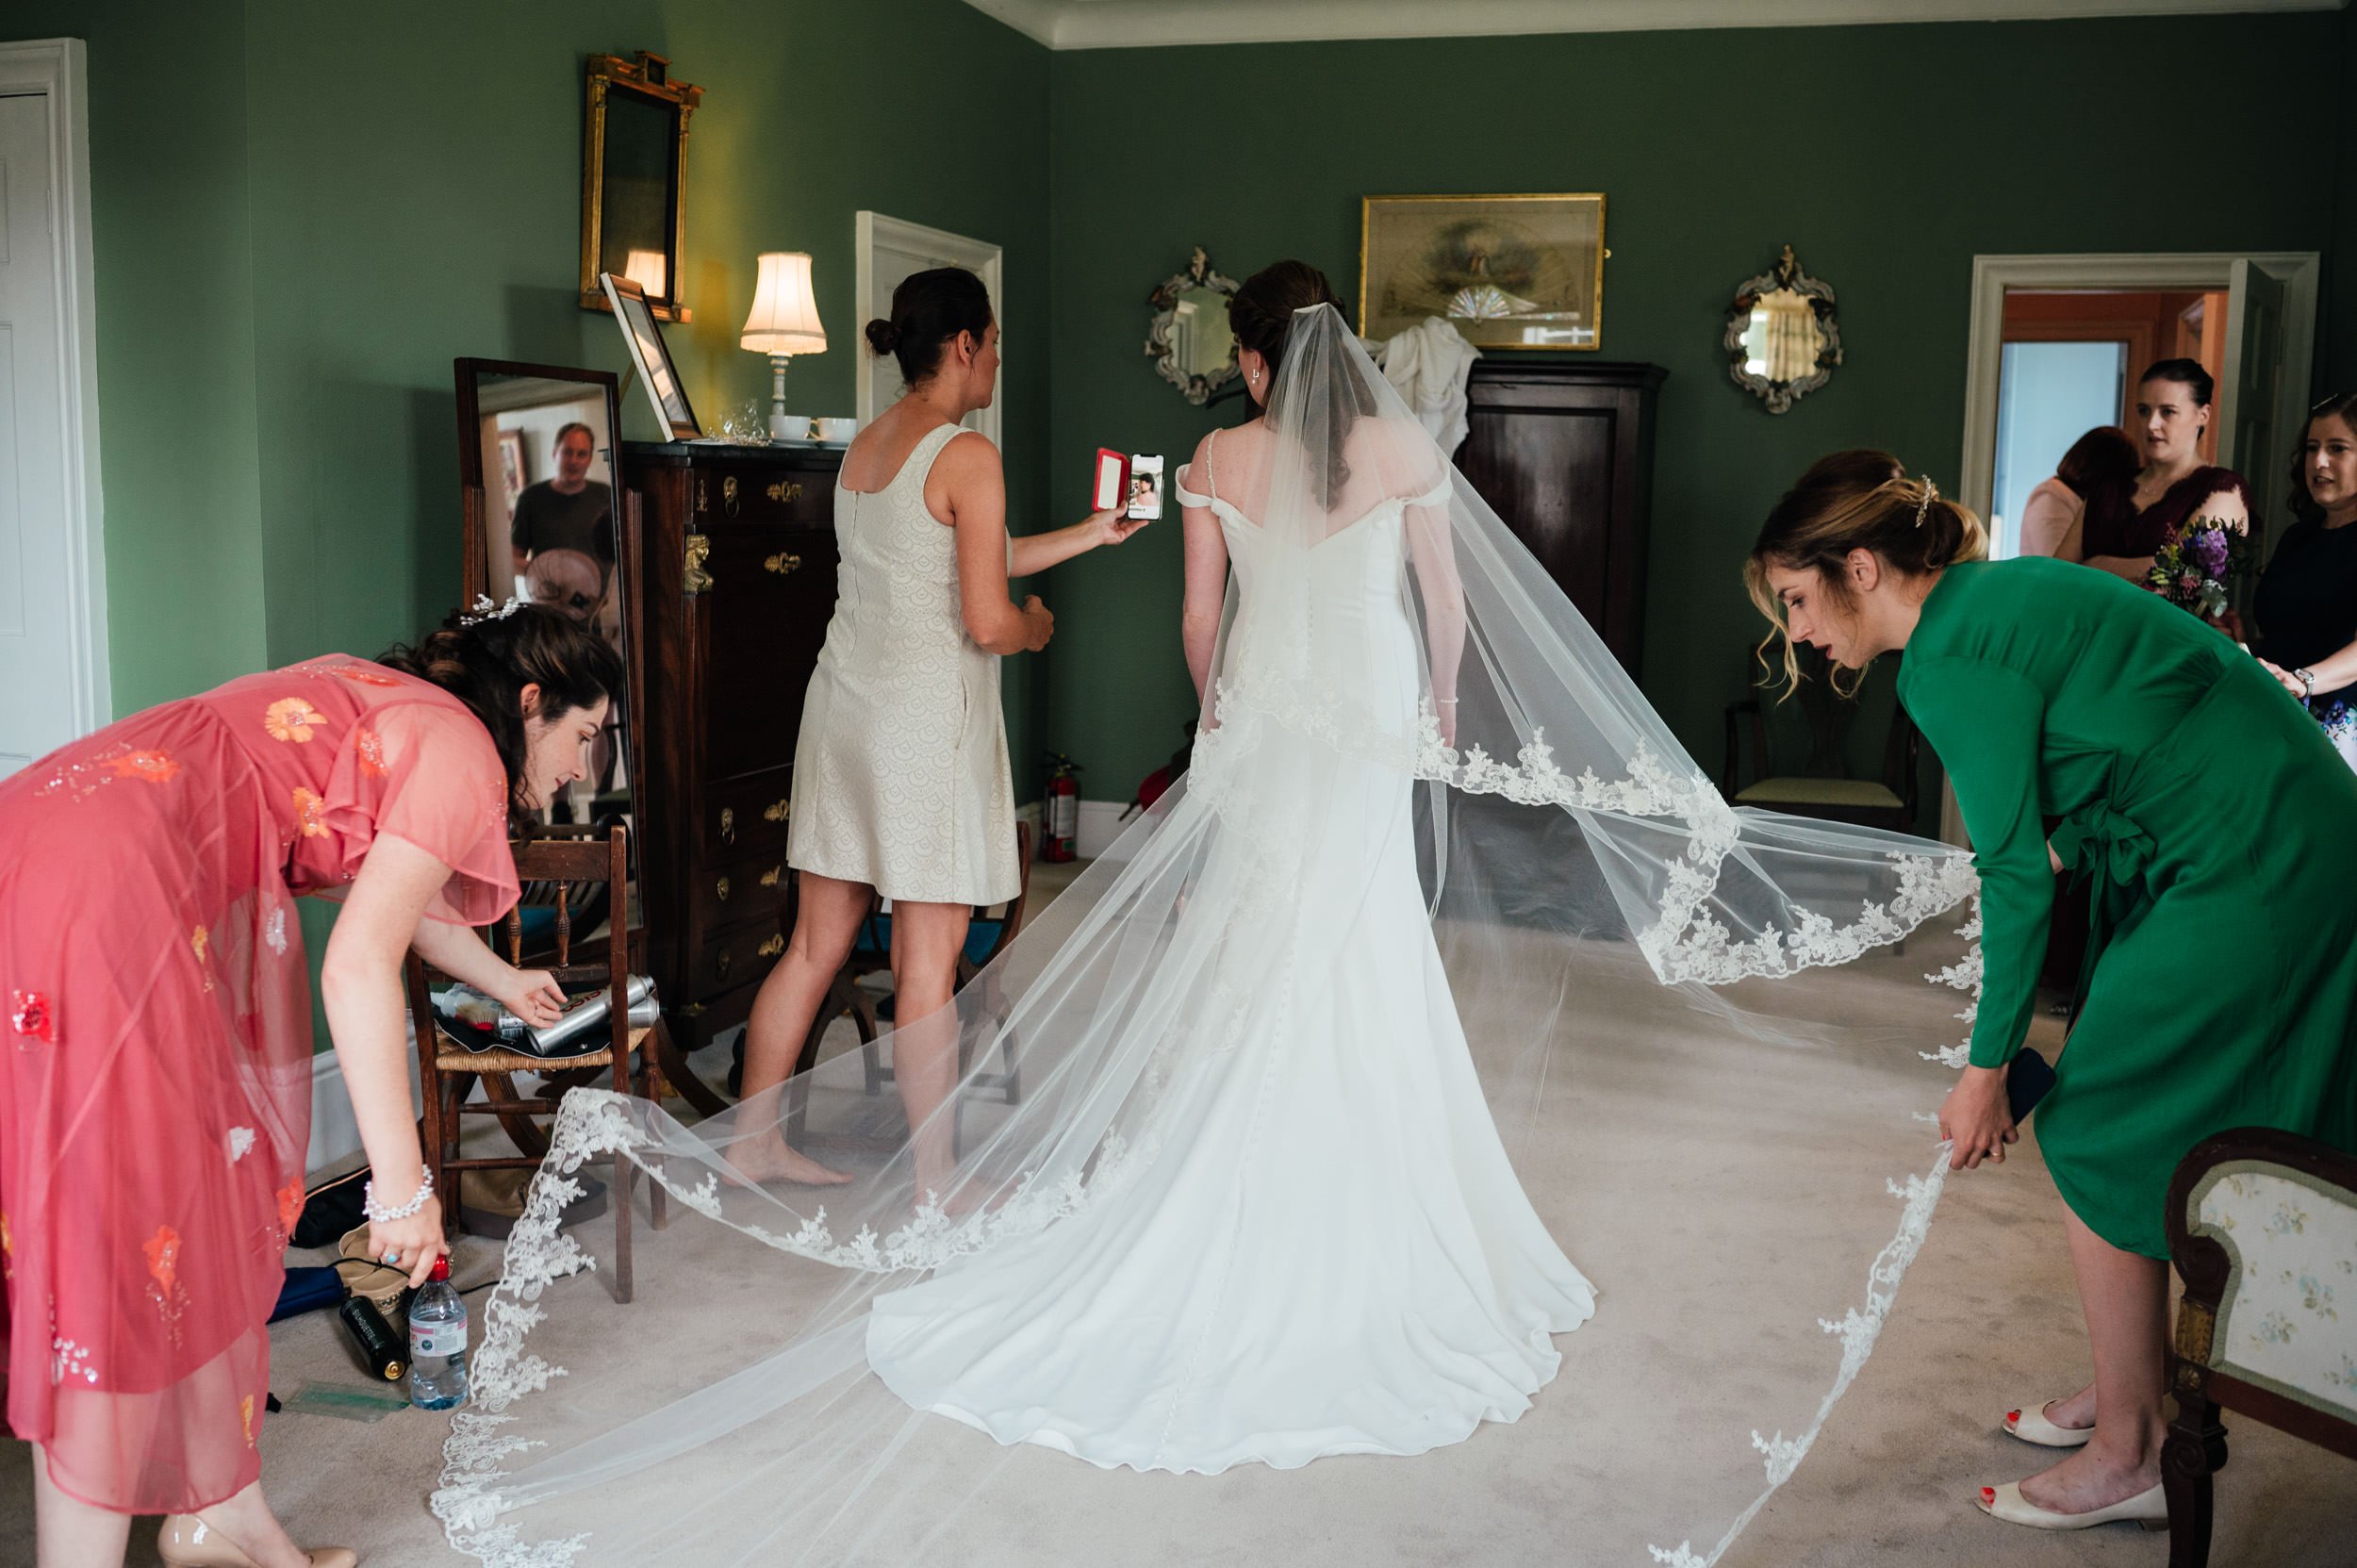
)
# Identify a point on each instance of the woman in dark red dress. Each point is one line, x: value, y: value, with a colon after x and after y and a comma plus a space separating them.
x: 2174, y: 486
x: 155, y: 1055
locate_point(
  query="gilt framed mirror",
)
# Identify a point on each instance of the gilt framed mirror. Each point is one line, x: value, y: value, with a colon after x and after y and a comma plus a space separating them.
x: 1188, y: 337
x: 634, y: 179
x: 1782, y: 339
x: 543, y: 504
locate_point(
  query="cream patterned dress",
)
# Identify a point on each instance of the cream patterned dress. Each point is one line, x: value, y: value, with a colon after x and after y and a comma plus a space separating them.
x: 900, y: 775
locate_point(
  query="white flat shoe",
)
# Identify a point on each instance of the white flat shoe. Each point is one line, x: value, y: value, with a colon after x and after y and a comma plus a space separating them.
x: 2148, y: 1509
x: 2029, y: 1424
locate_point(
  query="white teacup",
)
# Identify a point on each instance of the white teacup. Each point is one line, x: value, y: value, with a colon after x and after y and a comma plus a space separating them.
x: 836, y: 429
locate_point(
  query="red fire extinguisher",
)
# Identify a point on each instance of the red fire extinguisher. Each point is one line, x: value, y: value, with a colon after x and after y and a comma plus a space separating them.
x: 1063, y: 809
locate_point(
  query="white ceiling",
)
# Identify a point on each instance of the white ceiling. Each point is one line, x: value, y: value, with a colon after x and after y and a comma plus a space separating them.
x: 1144, y: 24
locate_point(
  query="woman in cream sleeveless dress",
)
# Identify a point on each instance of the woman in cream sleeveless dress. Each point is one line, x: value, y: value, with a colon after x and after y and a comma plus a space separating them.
x: 901, y: 782
x: 900, y: 776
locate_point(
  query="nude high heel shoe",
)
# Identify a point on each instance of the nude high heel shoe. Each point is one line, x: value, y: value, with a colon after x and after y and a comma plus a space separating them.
x: 188, y: 1542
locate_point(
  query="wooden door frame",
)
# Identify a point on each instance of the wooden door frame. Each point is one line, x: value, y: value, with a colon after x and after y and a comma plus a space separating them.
x: 57, y: 69
x: 985, y: 259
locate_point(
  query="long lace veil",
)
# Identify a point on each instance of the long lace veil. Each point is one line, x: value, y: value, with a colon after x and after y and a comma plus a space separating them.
x: 1709, y: 1037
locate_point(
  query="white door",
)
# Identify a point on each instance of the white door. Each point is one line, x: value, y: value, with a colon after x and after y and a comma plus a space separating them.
x: 2254, y: 414
x: 889, y: 249
x: 38, y: 705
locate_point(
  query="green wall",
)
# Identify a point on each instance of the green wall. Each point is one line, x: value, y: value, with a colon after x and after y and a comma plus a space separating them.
x: 1887, y: 155
x: 305, y: 213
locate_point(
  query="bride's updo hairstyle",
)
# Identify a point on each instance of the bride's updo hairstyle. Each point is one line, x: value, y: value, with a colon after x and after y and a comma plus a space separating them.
x: 1261, y: 312
x: 1857, y: 499
x: 928, y: 310
x: 486, y: 662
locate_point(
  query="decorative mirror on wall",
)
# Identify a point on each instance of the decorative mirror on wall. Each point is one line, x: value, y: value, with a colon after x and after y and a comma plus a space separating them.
x: 541, y: 501
x: 1782, y: 341
x: 1188, y: 339
x: 634, y: 179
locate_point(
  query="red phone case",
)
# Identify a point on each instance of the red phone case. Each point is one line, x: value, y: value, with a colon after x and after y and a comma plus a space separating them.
x: 1116, y: 464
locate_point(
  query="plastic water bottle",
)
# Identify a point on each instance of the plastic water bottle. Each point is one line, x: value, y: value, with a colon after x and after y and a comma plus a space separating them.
x: 437, y: 1342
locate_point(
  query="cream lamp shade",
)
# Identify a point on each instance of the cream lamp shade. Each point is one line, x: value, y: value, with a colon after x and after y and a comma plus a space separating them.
x: 785, y: 313
x: 784, y: 322
x: 647, y: 270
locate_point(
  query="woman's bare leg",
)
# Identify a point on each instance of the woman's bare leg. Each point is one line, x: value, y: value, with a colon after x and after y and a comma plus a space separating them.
x: 249, y: 1524
x: 927, y: 939
x: 825, y: 923
x: 69, y: 1534
x: 2125, y: 1296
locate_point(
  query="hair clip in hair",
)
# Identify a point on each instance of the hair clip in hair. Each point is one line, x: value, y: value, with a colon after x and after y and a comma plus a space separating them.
x: 484, y: 610
x: 1923, y: 506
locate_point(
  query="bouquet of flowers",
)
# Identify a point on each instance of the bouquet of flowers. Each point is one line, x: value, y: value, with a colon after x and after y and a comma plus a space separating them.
x: 2195, y: 569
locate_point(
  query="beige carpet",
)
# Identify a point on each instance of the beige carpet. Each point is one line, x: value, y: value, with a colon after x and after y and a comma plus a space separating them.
x: 1985, y: 1319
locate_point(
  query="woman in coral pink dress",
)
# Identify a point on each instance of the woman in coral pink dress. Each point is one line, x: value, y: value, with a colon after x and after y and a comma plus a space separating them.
x: 156, y: 1053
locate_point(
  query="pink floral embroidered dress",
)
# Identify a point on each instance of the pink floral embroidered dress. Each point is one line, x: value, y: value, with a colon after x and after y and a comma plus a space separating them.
x: 155, y: 1056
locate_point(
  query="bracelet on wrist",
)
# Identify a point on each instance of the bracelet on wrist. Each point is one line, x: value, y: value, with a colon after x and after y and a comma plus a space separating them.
x: 386, y: 1213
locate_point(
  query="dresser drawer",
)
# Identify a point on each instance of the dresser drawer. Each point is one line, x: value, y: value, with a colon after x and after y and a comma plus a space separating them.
x: 746, y: 814
x: 764, y: 495
x: 759, y: 625
x: 730, y: 892
x: 738, y: 957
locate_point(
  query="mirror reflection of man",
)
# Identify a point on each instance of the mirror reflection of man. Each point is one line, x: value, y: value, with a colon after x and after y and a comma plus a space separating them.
x: 571, y: 511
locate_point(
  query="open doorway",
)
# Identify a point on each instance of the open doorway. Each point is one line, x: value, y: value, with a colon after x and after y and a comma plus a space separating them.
x: 2073, y: 338
x: 2068, y: 362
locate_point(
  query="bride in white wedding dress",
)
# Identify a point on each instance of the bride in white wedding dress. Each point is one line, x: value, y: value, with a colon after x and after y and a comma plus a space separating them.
x: 1232, y: 1188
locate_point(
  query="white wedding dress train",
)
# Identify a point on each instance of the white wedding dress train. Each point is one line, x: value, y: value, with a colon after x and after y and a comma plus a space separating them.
x: 1330, y: 1253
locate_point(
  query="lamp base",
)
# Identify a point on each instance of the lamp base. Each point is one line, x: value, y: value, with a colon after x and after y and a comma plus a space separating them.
x: 783, y: 425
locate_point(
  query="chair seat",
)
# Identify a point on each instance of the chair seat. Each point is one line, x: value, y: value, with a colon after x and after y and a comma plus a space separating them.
x: 874, y: 944
x: 1858, y: 793
x: 457, y: 1058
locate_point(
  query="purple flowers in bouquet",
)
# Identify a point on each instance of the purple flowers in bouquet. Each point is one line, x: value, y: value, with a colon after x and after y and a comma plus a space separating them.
x: 2193, y: 570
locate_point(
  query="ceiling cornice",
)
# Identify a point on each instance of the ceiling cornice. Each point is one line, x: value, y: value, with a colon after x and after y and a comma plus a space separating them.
x: 1158, y: 24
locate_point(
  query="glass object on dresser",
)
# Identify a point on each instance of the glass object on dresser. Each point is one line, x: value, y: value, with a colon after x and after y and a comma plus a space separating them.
x: 1188, y: 338
x: 1782, y: 341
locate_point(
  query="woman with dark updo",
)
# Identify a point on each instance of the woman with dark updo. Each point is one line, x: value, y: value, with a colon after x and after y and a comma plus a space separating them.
x: 2174, y: 486
x: 901, y: 783
x: 156, y: 1075
x: 2208, y: 814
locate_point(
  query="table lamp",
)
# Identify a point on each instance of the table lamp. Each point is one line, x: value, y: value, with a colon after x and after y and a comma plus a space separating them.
x: 784, y: 322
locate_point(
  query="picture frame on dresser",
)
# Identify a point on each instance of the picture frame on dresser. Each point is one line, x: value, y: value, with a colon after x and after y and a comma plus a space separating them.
x: 738, y: 555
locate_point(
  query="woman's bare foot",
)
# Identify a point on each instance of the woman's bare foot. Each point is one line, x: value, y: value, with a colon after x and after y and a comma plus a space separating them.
x: 761, y: 1159
x: 2075, y: 1413
x: 2089, y: 1479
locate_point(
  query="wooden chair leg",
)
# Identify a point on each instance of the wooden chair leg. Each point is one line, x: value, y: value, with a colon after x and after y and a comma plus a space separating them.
x: 438, y: 1119
x: 2196, y: 1446
x: 682, y: 1077
x: 625, y: 1179
x: 658, y: 1199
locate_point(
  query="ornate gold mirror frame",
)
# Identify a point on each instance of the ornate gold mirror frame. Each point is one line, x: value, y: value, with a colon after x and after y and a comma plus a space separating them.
x: 643, y: 82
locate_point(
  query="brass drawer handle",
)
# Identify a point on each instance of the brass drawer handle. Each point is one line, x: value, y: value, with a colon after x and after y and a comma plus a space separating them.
x: 777, y: 811
x: 722, y: 889
x: 728, y: 494
x: 720, y: 965
x: 786, y: 492
x: 783, y: 563
x: 769, y: 878
x: 727, y: 824
x: 770, y: 948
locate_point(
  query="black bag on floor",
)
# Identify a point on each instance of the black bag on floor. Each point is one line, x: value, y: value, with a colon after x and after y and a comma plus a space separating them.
x: 331, y: 1209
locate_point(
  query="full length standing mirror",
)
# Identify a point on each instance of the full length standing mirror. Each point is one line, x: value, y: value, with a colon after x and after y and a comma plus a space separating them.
x: 542, y: 504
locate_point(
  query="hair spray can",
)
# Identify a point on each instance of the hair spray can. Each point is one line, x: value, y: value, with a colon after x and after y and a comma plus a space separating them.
x: 380, y: 1349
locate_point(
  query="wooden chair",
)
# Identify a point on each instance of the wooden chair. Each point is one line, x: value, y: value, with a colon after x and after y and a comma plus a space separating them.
x: 869, y: 1010
x: 448, y: 1071
x: 1821, y: 787
x: 2260, y: 1225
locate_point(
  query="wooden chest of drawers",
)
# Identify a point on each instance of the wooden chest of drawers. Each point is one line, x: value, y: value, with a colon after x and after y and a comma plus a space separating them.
x: 739, y: 569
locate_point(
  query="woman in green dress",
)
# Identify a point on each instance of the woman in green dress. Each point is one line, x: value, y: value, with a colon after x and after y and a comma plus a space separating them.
x: 2213, y: 820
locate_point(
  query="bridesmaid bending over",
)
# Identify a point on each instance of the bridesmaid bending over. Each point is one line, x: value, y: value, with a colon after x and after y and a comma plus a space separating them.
x: 2219, y: 988
x: 155, y: 1070
x: 902, y: 784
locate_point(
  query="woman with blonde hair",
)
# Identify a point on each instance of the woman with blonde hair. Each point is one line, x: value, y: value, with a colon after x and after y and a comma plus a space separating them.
x: 2220, y: 984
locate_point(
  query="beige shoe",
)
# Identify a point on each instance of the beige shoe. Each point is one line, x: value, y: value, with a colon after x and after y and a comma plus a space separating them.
x: 188, y: 1542
x: 2148, y: 1507
x: 2030, y: 1425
